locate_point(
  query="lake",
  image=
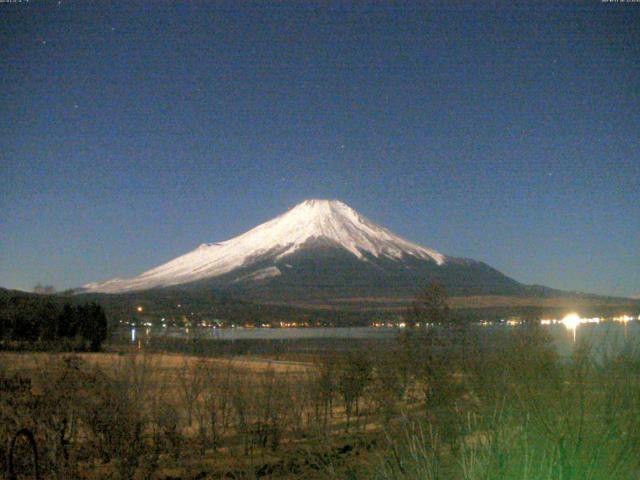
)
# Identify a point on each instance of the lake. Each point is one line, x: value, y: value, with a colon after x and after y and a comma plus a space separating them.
x: 609, y: 333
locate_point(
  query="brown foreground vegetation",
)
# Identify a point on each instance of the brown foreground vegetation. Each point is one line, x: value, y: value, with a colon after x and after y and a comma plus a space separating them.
x: 453, y: 403
x: 177, y: 416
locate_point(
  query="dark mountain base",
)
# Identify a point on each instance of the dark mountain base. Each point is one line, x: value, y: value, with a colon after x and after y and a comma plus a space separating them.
x: 322, y: 273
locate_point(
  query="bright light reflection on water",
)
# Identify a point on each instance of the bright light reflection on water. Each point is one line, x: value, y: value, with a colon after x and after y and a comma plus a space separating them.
x: 571, y: 323
x: 611, y: 334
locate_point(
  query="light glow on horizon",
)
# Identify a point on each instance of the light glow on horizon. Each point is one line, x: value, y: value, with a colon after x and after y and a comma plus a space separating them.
x: 571, y: 321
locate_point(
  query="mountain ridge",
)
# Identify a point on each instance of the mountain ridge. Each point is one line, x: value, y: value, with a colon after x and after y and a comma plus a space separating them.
x: 314, y: 219
x: 318, y: 251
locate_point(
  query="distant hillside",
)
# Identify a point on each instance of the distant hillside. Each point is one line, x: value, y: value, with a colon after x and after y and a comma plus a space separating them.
x: 189, y: 305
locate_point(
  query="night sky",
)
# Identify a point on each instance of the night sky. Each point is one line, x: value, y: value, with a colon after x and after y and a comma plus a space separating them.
x: 132, y: 132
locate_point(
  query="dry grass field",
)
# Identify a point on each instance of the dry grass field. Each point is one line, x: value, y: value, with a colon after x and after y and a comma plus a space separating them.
x: 176, y: 416
x: 38, y: 361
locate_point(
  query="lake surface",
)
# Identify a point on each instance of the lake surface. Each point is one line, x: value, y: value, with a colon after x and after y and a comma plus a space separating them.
x: 264, y: 333
x: 610, y: 334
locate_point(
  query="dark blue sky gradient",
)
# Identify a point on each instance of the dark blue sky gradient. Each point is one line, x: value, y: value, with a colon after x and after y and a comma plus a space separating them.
x: 132, y: 132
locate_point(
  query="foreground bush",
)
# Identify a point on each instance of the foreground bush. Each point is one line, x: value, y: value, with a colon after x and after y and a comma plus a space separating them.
x: 530, y: 415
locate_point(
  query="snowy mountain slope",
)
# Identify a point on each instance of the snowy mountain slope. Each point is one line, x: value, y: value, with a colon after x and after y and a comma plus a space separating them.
x: 330, y: 222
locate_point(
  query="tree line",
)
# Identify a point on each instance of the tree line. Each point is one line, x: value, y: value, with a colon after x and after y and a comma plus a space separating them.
x: 27, y: 321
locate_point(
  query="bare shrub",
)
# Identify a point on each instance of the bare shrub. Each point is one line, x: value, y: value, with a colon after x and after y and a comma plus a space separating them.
x: 191, y: 378
x: 388, y: 385
x: 354, y: 375
x: 274, y: 397
x: 323, y: 388
x: 16, y: 410
x: 114, y: 414
x: 166, y: 428
x: 214, y: 410
x: 62, y: 383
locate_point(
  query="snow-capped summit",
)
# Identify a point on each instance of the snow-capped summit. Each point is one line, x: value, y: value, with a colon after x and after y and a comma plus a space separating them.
x: 337, y: 222
x: 328, y: 221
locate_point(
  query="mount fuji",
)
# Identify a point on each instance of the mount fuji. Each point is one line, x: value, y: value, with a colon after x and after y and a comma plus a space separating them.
x: 318, y: 249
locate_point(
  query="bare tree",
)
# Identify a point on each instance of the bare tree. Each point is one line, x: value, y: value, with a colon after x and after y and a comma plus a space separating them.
x: 353, y: 377
x: 430, y: 305
x: 216, y: 402
x: 191, y: 379
x: 323, y: 389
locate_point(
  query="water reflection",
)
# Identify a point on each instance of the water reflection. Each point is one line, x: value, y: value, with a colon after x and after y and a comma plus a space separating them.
x: 572, y: 321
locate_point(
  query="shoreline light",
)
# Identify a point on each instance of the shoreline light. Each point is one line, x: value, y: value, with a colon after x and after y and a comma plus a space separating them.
x: 571, y: 321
